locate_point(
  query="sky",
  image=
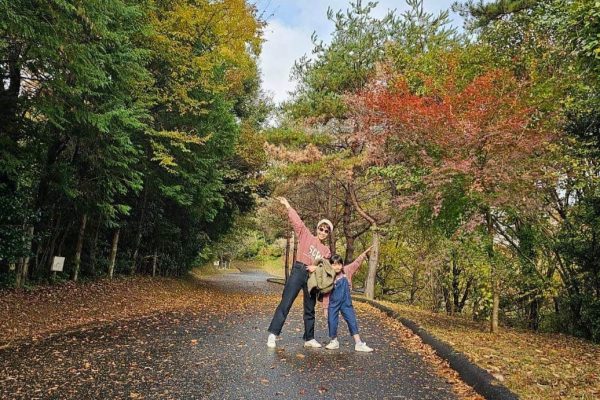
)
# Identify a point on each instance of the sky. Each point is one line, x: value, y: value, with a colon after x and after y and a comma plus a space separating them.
x: 290, y: 25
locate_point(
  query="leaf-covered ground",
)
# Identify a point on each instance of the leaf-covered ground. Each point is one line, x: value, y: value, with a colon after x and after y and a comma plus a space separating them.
x: 533, y: 365
x: 35, y: 314
x: 171, y: 339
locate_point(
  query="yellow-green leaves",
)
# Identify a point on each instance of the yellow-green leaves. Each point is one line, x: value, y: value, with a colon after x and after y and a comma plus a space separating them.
x: 203, y: 47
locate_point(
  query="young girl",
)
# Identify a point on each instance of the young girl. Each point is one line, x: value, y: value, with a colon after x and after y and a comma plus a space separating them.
x: 339, y: 300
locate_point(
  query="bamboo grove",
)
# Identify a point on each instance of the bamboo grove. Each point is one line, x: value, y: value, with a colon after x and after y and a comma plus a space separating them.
x: 126, y: 132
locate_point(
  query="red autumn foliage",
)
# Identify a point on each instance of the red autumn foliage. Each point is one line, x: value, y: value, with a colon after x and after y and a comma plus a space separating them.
x: 484, y: 130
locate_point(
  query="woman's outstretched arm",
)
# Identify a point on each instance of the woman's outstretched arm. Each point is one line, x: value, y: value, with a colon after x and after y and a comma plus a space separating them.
x: 295, y: 219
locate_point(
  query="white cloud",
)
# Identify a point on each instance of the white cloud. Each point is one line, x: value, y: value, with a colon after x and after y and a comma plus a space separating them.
x: 283, y: 45
x: 288, y: 35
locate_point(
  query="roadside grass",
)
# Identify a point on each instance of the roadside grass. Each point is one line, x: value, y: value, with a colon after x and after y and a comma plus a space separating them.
x: 533, y: 365
x: 271, y: 267
x: 210, y: 270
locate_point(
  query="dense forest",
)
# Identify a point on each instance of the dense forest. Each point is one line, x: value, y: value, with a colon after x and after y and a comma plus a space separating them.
x: 134, y: 138
x: 127, y: 133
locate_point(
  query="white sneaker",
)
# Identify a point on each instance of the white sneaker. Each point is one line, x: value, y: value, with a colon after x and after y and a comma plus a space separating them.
x: 362, y: 346
x: 271, y: 341
x: 333, y: 345
x: 312, y: 343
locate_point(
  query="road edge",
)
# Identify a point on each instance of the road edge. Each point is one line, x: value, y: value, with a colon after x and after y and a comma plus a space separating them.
x: 481, y: 380
x: 478, y: 378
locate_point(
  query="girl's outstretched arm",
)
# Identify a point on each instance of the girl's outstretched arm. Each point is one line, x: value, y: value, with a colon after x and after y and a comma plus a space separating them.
x: 351, y: 268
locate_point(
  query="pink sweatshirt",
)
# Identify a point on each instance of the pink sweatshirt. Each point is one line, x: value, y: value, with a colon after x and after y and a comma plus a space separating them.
x: 309, y: 247
x: 347, y: 273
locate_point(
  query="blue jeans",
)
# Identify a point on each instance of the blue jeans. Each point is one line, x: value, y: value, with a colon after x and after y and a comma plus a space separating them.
x: 341, y: 302
x: 296, y: 281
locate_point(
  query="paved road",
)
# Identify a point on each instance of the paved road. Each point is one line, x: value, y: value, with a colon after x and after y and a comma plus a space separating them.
x: 219, y: 354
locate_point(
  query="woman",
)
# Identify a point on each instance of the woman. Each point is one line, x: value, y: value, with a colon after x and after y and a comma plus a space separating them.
x: 310, y: 248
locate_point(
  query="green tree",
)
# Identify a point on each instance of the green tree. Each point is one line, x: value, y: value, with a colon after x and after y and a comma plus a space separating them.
x: 127, y: 119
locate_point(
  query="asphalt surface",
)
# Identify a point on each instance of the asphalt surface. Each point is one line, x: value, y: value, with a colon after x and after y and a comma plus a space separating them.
x: 220, y: 354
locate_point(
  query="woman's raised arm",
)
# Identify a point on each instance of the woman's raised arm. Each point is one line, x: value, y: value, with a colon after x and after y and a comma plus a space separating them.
x: 295, y: 219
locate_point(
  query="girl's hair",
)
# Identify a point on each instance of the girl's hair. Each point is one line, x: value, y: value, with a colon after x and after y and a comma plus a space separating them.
x: 336, y: 259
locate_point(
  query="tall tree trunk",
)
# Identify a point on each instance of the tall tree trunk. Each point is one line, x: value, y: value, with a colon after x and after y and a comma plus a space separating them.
x: 347, y: 219
x: 79, y: 246
x: 113, y: 253
x: 10, y: 89
x: 47, y: 250
x: 61, y: 245
x: 456, y: 271
x: 414, y: 287
x: 465, y: 295
x: 373, y: 260
x: 19, y: 273
x: 349, y: 257
x: 534, y: 313
x: 95, y: 247
x: 447, y: 302
x: 138, y: 239
x: 154, y: 262
x: 374, y: 253
x: 52, y: 155
x: 493, y: 274
x: 25, y: 269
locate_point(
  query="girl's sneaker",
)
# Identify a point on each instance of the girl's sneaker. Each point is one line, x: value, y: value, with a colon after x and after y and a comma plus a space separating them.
x: 362, y: 346
x: 333, y: 345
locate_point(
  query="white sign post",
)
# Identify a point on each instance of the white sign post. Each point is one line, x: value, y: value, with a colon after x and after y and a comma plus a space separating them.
x: 57, y: 265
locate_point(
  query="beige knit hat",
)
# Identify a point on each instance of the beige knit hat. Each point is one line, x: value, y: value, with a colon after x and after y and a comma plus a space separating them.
x: 326, y: 222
